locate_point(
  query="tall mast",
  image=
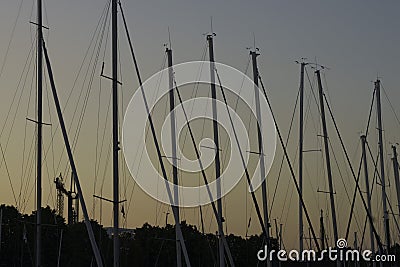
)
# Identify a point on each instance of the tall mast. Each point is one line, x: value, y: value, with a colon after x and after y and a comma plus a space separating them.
x: 115, y: 148
x: 39, y: 134
x: 396, y: 175
x: 364, y: 159
x: 174, y: 157
x: 254, y: 55
x: 301, y: 116
x: 382, y: 162
x: 210, y: 38
x: 327, y: 157
x: 322, y: 230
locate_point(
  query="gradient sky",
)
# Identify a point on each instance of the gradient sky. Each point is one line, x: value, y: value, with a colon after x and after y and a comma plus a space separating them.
x: 357, y: 40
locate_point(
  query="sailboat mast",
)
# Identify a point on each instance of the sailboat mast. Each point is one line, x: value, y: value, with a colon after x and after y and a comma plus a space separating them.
x: 39, y: 134
x: 382, y: 162
x: 327, y: 157
x: 301, y: 116
x: 174, y: 157
x: 114, y: 52
x: 322, y: 229
x: 210, y: 39
x: 396, y: 175
x: 260, y: 152
x: 364, y: 159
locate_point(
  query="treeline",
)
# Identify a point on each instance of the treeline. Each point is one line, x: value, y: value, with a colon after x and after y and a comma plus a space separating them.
x: 69, y: 245
x: 145, y: 246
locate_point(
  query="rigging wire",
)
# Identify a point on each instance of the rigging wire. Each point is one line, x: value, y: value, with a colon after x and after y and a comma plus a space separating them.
x: 289, y: 164
x: 162, y: 66
x: 390, y: 104
x: 262, y: 223
x: 372, y: 190
x: 203, y: 172
x: 156, y: 144
x: 195, y: 90
x: 159, y: 204
x: 11, y: 37
x: 359, y: 169
x: 97, y: 157
x: 318, y: 141
x: 22, y: 80
x: 225, y: 146
x: 20, y: 86
x: 121, y: 158
x: 283, y: 157
x: 22, y: 182
x: 94, y: 58
x: 353, y: 174
x: 78, y: 73
x: 50, y: 195
x: 341, y: 178
x: 8, y: 174
x: 386, y: 196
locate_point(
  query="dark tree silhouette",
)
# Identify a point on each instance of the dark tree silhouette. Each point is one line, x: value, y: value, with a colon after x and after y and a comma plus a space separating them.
x: 144, y: 246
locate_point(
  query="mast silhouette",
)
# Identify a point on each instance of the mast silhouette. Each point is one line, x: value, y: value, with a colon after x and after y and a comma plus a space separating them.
x: 396, y: 175
x: 382, y: 162
x: 260, y: 151
x: 153, y: 133
x: 322, y: 229
x: 301, y: 131
x: 210, y: 39
x: 39, y: 121
x: 115, y: 147
x: 174, y: 157
x: 327, y: 157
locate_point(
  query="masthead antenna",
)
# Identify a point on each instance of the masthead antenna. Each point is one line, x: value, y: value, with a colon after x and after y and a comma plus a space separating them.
x: 254, y: 41
x: 212, y: 31
x: 169, y: 38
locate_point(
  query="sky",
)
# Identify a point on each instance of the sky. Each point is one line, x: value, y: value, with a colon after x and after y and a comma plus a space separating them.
x: 357, y: 40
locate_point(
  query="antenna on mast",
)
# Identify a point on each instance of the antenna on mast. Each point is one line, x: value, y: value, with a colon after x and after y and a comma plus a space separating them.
x: 254, y: 40
x: 211, y: 18
x: 169, y: 39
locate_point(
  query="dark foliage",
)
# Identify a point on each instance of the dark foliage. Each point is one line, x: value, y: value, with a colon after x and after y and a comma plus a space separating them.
x: 144, y: 246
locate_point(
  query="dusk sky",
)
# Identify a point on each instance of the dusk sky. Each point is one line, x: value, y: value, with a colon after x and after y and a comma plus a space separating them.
x: 357, y: 40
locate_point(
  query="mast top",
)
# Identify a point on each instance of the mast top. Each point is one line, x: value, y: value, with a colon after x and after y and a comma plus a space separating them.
x: 318, y: 67
x: 168, y: 45
x: 210, y: 35
x: 302, y: 61
x: 167, y: 48
x: 254, y: 50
